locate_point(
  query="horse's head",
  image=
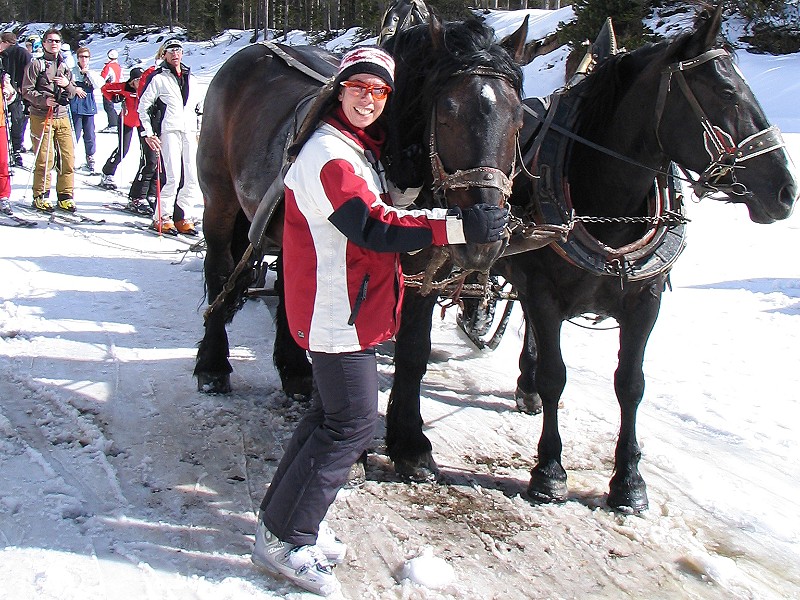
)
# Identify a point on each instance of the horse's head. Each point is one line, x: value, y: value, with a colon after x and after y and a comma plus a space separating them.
x: 708, y: 121
x: 458, y: 111
x: 402, y: 14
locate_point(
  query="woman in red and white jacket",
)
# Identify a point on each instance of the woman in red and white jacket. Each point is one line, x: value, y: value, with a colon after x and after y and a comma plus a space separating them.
x: 343, y: 284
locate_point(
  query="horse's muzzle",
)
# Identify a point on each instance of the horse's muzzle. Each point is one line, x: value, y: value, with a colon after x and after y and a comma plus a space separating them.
x: 477, y: 257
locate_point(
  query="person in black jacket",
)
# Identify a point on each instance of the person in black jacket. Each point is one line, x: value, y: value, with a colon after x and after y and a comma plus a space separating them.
x: 15, y: 60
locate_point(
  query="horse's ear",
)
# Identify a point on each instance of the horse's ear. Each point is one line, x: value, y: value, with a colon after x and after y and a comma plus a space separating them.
x: 515, y: 43
x: 705, y: 37
x: 436, y: 30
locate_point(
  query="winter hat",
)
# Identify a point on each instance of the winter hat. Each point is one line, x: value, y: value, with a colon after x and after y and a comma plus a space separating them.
x: 173, y: 43
x: 135, y: 73
x: 113, y: 54
x: 370, y: 60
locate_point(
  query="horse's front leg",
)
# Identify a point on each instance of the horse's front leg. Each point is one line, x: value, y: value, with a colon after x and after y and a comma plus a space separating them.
x: 627, y: 489
x: 548, y: 478
x: 407, y: 446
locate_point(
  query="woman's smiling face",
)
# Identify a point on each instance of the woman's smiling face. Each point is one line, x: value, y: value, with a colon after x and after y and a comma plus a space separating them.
x: 359, y: 105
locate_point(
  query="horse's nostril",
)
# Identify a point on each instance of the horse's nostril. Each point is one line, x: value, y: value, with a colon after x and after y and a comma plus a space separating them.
x: 788, y: 195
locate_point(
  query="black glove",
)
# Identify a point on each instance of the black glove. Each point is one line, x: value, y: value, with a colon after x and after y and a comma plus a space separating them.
x: 482, y: 223
x: 62, y: 97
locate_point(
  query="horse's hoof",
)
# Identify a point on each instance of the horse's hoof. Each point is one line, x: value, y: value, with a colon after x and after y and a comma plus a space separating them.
x: 423, y: 470
x: 628, y: 499
x: 543, y: 488
x: 297, y: 388
x: 214, y: 384
x: 528, y: 402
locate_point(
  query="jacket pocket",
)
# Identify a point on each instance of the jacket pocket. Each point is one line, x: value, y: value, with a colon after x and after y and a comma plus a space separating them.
x: 362, y: 295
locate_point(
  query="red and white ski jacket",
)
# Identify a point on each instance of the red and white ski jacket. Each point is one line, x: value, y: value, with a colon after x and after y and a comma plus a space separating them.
x: 124, y: 91
x: 341, y: 240
x: 112, y: 72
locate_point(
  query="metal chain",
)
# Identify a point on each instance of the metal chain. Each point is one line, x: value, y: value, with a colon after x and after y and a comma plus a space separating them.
x: 669, y: 217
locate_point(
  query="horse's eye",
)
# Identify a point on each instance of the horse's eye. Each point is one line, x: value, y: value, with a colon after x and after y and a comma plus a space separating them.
x: 727, y: 95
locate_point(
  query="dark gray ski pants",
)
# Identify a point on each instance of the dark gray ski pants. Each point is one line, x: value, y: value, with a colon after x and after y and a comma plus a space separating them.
x: 338, y: 427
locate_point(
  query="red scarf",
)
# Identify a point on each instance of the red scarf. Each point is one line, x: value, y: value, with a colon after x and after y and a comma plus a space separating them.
x: 372, y: 138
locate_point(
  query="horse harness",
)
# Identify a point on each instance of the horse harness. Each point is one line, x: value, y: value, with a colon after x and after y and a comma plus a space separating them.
x: 417, y: 13
x: 548, y: 155
x: 726, y: 155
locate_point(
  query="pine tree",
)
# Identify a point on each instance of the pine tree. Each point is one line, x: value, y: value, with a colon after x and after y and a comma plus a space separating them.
x: 626, y: 15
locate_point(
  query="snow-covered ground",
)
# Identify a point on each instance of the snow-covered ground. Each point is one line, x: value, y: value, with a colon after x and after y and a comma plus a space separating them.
x: 119, y: 480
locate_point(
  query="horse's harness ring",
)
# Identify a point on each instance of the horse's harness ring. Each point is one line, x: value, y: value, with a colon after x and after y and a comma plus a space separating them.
x: 483, y: 176
x: 726, y: 155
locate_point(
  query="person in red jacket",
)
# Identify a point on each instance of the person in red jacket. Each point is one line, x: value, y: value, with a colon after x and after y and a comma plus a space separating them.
x: 111, y: 73
x: 144, y: 189
x: 343, y: 283
x: 127, y: 93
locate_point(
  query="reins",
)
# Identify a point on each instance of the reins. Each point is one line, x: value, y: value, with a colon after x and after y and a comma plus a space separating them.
x: 603, y: 149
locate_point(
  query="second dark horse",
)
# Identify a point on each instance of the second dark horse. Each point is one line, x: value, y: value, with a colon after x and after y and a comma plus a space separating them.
x: 681, y: 101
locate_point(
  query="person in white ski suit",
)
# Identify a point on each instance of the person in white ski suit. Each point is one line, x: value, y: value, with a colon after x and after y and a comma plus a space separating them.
x: 174, y: 93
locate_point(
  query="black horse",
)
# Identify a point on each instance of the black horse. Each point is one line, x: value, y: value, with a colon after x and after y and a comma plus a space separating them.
x: 681, y: 101
x: 452, y: 124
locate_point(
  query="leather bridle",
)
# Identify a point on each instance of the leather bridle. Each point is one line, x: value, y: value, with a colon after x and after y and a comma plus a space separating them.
x: 726, y: 155
x: 482, y: 176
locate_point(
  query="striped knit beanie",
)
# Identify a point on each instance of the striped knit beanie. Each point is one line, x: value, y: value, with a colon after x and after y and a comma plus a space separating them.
x: 370, y: 60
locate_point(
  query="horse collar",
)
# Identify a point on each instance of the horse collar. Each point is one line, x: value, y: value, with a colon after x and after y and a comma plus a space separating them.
x: 651, y: 255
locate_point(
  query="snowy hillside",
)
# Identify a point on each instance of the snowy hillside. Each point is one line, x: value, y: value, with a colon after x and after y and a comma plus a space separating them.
x: 120, y: 480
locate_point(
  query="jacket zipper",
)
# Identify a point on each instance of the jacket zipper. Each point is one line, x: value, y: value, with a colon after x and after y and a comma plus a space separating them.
x: 362, y: 295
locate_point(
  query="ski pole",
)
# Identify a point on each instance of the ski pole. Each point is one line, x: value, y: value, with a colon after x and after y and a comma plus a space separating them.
x: 8, y: 136
x: 47, y: 121
x: 48, y: 171
x: 119, y: 131
x: 9, y: 171
x: 158, y: 189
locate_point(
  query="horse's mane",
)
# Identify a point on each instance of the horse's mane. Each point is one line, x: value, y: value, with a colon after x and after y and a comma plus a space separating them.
x: 602, y: 90
x: 467, y: 45
x: 423, y: 69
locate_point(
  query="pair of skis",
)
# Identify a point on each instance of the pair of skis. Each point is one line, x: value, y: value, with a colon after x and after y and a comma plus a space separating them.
x: 15, y: 221
x: 58, y: 214
x: 146, y: 226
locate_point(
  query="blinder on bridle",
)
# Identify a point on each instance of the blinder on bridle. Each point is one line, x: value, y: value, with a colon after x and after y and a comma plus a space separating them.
x: 416, y: 14
x: 726, y: 155
x: 482, y: 176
